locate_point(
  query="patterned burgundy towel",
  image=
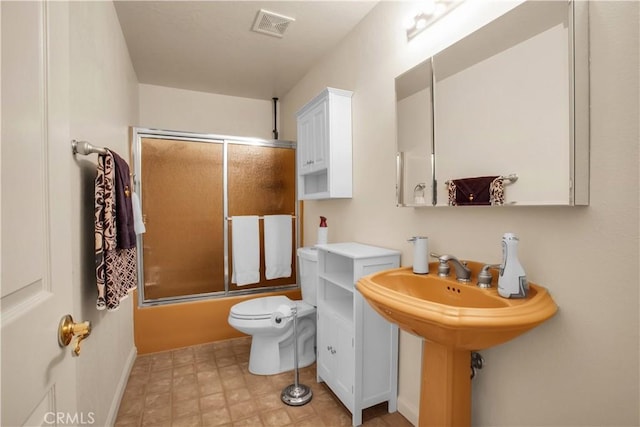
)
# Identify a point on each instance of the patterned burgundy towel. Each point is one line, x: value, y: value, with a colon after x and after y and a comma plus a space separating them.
x: 115, y: 267
x: 477, y: 191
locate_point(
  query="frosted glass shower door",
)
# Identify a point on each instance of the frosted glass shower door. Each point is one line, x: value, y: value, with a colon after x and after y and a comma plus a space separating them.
x: 182, y: 200
x: 262, y: 181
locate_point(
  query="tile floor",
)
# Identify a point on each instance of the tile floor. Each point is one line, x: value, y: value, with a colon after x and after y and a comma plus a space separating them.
x: 210, y: 385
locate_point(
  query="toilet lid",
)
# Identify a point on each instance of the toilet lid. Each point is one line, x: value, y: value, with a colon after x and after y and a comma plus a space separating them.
x: 264, y: 307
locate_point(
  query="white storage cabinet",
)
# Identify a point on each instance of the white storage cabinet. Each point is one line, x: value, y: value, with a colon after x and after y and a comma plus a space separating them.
x: 324, y: 147
x: 357, y: 348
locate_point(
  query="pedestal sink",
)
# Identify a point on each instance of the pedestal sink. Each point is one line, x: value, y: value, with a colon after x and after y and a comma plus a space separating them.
x: 454, y: 319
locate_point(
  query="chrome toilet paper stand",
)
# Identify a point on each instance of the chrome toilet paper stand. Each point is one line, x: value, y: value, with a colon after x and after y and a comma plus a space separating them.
x: 296, y: 394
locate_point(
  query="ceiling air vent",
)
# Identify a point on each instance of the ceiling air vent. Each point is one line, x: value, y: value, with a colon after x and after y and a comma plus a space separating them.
x: 271, y: 23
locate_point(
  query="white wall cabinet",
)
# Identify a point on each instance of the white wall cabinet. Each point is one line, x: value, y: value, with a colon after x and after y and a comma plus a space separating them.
x: 324, y: 146
x: 357, y: 348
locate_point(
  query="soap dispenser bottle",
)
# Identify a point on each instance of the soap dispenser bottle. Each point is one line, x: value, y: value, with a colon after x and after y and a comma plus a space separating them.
x: 512, y: 282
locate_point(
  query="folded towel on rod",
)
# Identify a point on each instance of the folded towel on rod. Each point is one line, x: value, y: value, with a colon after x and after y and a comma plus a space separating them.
x: 278, y: 238
x: 477, y: 191
x: 245, y: 250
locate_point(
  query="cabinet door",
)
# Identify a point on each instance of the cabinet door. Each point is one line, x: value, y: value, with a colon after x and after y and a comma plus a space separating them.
x: 320, y: 118
x: 305, y: 147
x: 325, y: 335
x: 344, y: 358
x: 313, y: 139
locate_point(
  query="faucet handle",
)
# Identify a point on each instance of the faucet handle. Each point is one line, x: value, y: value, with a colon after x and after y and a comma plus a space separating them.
x: 484, y: 277
x: 443, y: 268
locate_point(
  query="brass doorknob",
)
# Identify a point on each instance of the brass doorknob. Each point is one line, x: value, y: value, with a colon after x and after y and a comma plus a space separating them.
x: 68, y: 329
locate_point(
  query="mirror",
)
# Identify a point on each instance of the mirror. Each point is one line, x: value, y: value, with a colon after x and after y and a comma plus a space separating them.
x: 509, y: 100
x: 414, y: 115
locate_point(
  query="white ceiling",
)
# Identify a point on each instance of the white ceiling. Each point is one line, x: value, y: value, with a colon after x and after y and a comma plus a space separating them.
x: 209, y: 46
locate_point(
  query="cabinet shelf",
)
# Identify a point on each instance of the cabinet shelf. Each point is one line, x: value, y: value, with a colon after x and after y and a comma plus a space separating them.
x: 340, y: 278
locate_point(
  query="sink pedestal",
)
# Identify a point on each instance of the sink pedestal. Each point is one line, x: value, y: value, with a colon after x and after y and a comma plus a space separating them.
x: 445, y: 396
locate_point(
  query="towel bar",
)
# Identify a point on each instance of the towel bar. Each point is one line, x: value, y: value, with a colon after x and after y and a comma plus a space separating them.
x: 85, y: 148
x: 510, y: 178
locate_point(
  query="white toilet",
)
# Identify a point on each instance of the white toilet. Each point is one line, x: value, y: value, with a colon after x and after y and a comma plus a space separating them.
x: 272, y: 342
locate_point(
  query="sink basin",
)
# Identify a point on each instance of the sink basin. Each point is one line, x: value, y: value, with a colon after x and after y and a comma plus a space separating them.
x: 454, y: 314
x: 454, y: 318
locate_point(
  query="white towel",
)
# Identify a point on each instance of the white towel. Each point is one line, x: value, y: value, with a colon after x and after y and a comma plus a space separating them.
x: 246, y: 250
x: 138, y: 221
x: 277, y: 246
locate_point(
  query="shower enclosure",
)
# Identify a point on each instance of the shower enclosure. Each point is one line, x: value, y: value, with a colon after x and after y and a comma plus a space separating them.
x: 190, y: 186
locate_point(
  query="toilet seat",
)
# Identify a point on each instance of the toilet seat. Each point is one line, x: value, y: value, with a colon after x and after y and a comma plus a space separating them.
x: 264, y: 307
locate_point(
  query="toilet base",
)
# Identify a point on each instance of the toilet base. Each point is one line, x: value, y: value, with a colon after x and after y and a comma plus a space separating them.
x: 270, y: 357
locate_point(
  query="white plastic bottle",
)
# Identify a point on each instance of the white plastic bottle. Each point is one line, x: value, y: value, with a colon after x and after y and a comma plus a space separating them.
x: 323, y: 231
x: 512, y: 282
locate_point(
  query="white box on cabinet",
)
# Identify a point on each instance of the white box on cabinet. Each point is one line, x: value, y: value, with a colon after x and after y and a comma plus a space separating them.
x: 325, y: 146
x: 357, y: 348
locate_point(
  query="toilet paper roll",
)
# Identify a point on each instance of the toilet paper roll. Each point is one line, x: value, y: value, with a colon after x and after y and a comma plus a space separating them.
x: 281, y: 316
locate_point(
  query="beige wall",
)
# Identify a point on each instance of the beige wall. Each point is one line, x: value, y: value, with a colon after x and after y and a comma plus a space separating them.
x: 581, y: 367
x: 191, y: 111
x: 104, y: 103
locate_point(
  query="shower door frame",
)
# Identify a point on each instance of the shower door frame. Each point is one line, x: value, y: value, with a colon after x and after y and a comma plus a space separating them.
x: 137, y: 133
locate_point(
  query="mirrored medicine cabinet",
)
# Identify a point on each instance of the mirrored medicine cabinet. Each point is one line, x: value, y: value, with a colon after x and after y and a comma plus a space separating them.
x: 509, y: 100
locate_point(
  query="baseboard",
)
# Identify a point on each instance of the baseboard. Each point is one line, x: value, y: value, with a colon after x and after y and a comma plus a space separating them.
x: 410, y: 412
x: 122, y: 385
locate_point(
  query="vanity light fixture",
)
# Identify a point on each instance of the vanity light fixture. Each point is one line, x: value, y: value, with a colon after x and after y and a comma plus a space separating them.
x: 431, y: 11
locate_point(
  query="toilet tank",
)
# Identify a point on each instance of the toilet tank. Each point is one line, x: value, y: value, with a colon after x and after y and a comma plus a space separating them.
x: 308, y: 268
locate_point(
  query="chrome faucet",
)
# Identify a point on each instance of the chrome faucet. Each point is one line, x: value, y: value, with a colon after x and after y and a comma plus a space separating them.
x: 463, y: 273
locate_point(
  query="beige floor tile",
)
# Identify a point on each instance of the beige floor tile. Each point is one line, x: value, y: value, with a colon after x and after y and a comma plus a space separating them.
x: 213, y: 402
x: 156, y: 386
x: 128, y: 421
x: 253, y: 421
x: 131, y: 407
x: 185, y: 408
x: 185, y: 392
x: 233, y: 383
x: 297, y: 413
x: 157, y: 416
x: 310, y: 422
x: 205, y: 365
x: 216, y: 417
x: 210, y: 387
x: 231, y: 371
x: 243, y: 410
x: 190, y: 421
x: 275, y: 417
x: 157, y: 400
x: 237, y: 395
x: 269, y: 401
x: 180, y: 371
x: 160, y: 365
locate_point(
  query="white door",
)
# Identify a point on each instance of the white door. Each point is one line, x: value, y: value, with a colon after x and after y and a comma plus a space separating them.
x: 38, y: 377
